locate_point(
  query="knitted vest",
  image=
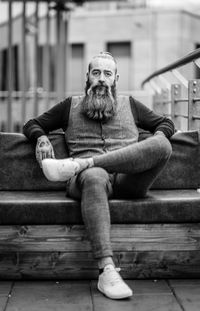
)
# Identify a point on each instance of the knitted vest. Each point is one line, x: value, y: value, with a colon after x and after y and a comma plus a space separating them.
x: 86, y: 137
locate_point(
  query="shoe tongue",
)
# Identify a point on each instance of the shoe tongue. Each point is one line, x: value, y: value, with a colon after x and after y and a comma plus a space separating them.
x: 109, y: 267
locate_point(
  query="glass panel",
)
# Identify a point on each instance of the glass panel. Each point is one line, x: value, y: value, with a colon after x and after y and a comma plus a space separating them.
x: 76, y: 76
x: 122, y: 53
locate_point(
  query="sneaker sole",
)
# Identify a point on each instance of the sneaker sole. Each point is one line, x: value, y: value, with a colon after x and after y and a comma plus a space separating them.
x: 113, y: 297
x: 52, y: 173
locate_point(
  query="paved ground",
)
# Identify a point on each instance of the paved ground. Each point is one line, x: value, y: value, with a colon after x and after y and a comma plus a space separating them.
x: 149, y: 295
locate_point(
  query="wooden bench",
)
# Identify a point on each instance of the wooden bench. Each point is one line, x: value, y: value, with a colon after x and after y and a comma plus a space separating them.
x: 42, y: 233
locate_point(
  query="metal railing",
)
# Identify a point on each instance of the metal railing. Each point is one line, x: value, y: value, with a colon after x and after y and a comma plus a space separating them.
x: 179, y: 100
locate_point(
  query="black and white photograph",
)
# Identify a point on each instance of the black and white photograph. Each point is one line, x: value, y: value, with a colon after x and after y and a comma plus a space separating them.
x: 100, y: 155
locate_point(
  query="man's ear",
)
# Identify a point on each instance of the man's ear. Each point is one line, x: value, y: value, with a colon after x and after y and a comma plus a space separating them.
x: 87, y: 75
x: 117, y: 77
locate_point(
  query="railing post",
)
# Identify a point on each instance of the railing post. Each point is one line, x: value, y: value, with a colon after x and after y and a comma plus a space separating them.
x: 193, y: 104
x: 61, y: 60
x: 157, y: 103
x: 36, y: 21
x: 10, y: 69
x: 175, y: 94
x: 165, y: 102
x: 47, y: 59
x: 24, y: 64
x: 159, y: 100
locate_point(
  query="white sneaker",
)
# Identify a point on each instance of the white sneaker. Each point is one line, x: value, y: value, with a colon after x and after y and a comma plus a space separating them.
x: 112, y: 285
x: 60, y: 170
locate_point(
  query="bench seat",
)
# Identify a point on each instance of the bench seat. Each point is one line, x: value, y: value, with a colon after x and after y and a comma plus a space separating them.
x: 53, y: 207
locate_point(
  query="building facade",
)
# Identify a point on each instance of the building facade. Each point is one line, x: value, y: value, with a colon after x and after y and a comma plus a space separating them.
x: 141, y: 39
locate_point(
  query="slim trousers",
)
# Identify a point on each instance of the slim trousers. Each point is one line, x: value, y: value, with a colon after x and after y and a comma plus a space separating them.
x: 124, y: 173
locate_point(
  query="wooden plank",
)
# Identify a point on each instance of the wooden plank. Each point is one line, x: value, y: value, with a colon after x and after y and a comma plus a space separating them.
x: 78, y: 265
x: 157, y: 257
x: 187, y: 293
x: 64, y: 251
x: 147, y: 237
x: 5, y: 290
x: 184, y: 196
x: 148, y: 295
x: 47, y: 266
x: 150, y: 264
x: 34, y: 296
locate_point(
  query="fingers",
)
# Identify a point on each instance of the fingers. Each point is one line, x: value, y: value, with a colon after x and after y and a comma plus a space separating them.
x: 52, y: 154
x: 39, y: 157
x: 44, y: 149
x: 45, y: 153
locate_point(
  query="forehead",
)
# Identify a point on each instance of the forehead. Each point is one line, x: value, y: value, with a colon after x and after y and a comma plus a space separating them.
x: 103, y: 64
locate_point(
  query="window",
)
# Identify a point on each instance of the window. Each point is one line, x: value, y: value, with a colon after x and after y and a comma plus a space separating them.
x: 76, y: 72
x: 122, y: 53
x: 40, y: 60
x: 52, y: 68
x: 44, y: 69
x: 4, y: 69
x: 15, y: 68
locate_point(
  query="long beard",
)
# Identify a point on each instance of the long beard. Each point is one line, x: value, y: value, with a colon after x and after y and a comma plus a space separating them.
x: 100, y: 101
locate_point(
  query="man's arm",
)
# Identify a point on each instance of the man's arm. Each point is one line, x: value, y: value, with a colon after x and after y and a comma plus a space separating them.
x: 148, y: 120
x: 36, y: 129
x: 51, y: 120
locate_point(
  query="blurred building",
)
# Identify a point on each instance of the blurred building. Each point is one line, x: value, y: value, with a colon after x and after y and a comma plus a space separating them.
x: 141, y: 37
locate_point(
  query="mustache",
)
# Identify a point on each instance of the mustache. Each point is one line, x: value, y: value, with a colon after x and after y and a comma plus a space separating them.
x: 99, y: 88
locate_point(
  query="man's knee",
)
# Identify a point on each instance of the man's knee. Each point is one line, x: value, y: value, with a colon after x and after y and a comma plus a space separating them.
x: 165, y: 148
x: 94, y: 175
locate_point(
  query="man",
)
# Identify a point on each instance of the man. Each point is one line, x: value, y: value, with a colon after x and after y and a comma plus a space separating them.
x: 106, y: 159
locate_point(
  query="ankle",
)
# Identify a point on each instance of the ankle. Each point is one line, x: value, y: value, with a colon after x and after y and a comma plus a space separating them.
x: 109, y: 267
x: 102, y: 262
x: 84, y: 163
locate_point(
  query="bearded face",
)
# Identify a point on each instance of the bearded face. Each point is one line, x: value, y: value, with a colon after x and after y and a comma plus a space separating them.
x: 100, y: 101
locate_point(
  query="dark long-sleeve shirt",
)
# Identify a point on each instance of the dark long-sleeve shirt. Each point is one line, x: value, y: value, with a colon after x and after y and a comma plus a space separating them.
x: 57, y: 117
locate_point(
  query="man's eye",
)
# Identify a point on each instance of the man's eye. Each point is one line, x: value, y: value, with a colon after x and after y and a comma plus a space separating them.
x: 108, y: 74
x: 95, y: 73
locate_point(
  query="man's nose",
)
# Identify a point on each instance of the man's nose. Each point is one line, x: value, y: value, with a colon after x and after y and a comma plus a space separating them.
x: 101, y: 77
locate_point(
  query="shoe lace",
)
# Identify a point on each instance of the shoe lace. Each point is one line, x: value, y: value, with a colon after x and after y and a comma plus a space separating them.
x: 114, y: 277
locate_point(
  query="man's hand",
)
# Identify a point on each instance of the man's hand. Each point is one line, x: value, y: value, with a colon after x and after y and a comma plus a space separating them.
x: 44, y: 149
x: 159, y: 133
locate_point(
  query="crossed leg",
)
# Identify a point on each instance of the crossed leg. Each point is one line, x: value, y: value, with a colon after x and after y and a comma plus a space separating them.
x: 135, y: 168
x: 132, y: 171
x: 94, y: 186
x: 130, y: 186
x: 136, y: 158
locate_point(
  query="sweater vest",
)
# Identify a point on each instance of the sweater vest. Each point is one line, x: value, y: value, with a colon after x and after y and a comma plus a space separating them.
x: 87, y: 137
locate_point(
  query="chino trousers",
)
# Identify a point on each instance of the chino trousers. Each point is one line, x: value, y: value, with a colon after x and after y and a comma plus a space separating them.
x: 124, y: 173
